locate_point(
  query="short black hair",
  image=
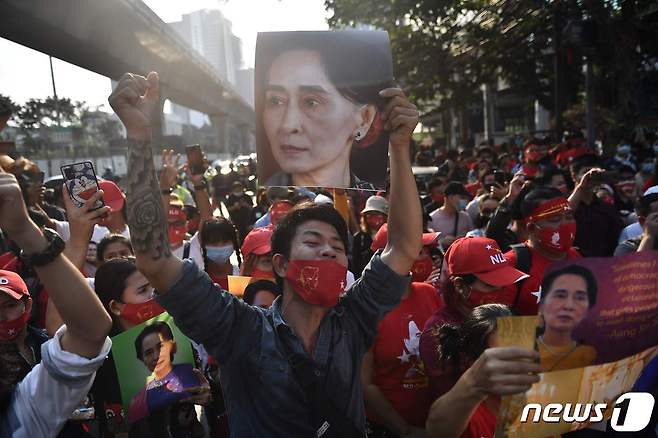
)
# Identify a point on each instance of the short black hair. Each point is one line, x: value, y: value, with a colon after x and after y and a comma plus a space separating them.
x: 107, y: 241
x: 257, y: 286
x: 583, y: 161
x: 286, y: 228
x: 580, y: 271
x: 434, y: 182
x: 157, y: 327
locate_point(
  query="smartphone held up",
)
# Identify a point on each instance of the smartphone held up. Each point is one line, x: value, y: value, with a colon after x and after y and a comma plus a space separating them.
x: 81, y: 182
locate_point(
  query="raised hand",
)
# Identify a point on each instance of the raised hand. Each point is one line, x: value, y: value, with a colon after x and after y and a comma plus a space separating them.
x: 400, y: 116
x: 13, y: 214
x: 136, y: 101
x: 169, y: 169
x: 82, y: 220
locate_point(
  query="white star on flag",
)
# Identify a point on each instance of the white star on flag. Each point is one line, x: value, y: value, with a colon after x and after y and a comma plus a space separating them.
x: 489, y: 247
x: 537, y: 294
x: 405, y: 357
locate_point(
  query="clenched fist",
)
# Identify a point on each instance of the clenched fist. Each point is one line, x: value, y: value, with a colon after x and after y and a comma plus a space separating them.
x: 13, y: 214
x: 136, y: 100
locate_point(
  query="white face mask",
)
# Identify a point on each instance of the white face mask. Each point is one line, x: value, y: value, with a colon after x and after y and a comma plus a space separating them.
x: 219, y: 254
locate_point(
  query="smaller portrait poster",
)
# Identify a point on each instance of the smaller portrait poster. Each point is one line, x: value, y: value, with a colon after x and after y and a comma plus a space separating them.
x: 318, y: 109
x: 155, y: 365
x: 597, y: 338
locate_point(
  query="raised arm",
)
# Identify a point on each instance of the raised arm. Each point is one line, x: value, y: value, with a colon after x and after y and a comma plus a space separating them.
x: 87, y: 322
x: 405, y: 224
x: 136, y: 101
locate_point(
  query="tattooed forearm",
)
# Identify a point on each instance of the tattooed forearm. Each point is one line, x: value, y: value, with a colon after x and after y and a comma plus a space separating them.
x: 146, y: 216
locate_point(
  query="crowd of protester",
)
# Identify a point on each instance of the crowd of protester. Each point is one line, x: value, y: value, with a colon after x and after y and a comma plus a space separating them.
x: 395, y: 338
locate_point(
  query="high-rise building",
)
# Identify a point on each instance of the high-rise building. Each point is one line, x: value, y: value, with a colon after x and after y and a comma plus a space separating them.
x: 209, y: 33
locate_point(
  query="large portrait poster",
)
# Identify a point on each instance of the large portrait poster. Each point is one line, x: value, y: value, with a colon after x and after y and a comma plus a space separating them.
x: 318, y: 109
x: 597, y: 338
x: 155, y: 365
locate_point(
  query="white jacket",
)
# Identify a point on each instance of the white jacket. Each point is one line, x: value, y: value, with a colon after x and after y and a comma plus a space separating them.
x: 53, y: 389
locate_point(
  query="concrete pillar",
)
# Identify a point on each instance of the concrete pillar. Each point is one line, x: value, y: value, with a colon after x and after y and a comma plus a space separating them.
x: 542, y: 117
x: 222, y: 139
x: 488, y: 98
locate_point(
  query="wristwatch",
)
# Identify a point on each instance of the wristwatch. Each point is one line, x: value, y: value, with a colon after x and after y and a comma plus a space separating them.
x: 55, y: 247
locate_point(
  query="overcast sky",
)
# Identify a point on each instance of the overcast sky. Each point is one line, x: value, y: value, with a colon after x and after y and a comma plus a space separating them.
x: 25, y: 73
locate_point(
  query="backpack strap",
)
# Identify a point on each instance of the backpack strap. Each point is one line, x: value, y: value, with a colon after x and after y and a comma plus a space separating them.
x: 523, y: 264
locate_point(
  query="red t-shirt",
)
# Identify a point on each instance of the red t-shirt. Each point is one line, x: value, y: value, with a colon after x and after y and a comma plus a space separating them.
x: 398, y: 370
x: 482, y: 424
x: 528, y: 300
x: 222, y: 280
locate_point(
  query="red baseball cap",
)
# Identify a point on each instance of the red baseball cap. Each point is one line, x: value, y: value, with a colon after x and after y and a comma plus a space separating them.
x: 11, y: 283
x: 381, y: 238
x: 483, y: 258
x: 112, y: 195
x: 258, y: 242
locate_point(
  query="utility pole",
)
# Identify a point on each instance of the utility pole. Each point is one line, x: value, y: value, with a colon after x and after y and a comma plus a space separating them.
x: 52, y: 78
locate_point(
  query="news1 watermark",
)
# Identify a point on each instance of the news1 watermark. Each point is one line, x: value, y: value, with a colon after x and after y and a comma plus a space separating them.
x: 631, y: 412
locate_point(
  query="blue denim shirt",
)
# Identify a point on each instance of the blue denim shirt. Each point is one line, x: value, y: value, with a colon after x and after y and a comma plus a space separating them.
x: 262, y: 396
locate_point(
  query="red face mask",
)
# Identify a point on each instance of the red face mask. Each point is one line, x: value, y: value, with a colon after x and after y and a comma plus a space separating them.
x: 421, y: 269
x: 176, y: 235
x: 438, y: 198
x: 266, y: 275
x: 478, y: 298
x: 278, y: 210
x: 138, y: 313
x: 318, y: 282
x: 9, y: 330
x: 558, y: 239
x: 375, y: 221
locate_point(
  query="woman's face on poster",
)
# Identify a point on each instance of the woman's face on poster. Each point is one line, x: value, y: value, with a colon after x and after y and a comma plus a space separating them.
x: 566, y: 303
x: 309, y: 124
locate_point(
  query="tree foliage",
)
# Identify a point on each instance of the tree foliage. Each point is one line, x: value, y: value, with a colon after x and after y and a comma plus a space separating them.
x: 445, y: 49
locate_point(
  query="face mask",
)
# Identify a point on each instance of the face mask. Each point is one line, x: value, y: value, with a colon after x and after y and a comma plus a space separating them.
x: 533, y: 157
x: 648, y: 167
x: 421, y: 269
x: 266, y: 275
x: 138, y: 313
x: 9, y: 330
x: 438, y: 198
x: 558, y: 239
x: 462, y: 205
x: 478, y: 298
x: 624, y: 150
x: 219, y: 254
x: 375, y: 221
x: 318, y: 282
x: 176, y: 235
x: 278, y: 210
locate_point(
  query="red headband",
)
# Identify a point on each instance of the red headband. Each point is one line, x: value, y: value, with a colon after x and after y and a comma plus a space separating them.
x: 548, y: 209
x: 176, y: 213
